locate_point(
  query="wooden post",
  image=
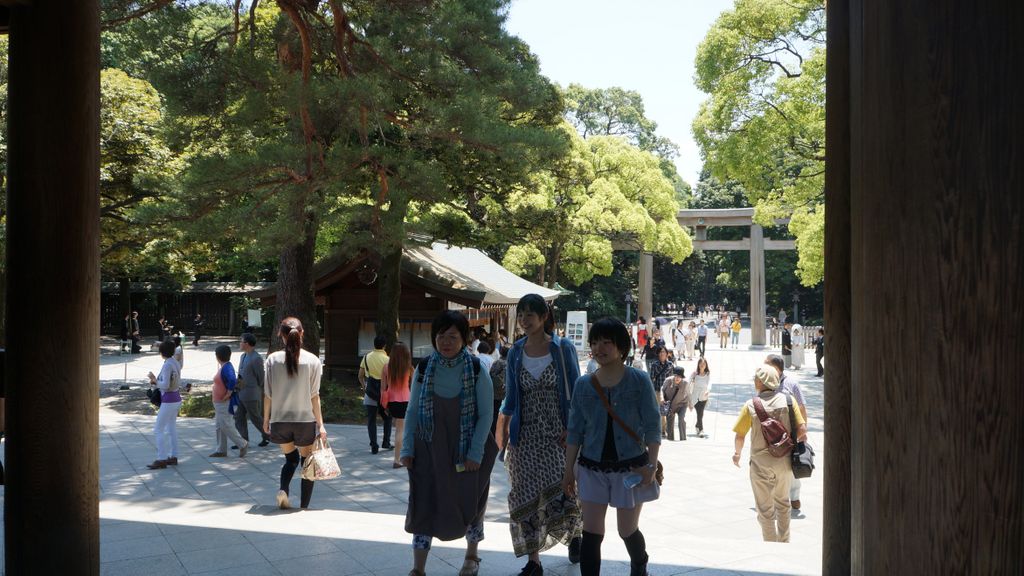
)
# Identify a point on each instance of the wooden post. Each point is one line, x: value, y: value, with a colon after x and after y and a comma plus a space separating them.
x: 51, y: 503
x: 937, y: 260
x: 757, y: 289
x: 645, y: 307
x: 836, y: 511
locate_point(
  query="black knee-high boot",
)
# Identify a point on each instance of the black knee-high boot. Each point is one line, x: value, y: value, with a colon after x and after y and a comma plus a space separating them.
x: 291, y: 462
x: 590, y: 554
x: 637, y: 548
x: 306, y: 491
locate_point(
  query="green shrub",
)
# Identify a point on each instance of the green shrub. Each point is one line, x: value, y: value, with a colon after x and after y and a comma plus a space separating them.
x: 197, y: 406
x: 341, y: 404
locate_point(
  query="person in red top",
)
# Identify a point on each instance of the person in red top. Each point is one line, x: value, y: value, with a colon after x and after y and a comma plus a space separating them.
x: 224, y: 401
x: 641, y: 332
x: 395, y: 391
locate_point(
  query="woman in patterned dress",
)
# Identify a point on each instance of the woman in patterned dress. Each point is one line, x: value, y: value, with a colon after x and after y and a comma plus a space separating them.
x: 542, y: 368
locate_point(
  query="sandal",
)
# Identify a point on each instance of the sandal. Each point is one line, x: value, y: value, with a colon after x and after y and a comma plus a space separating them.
x: 468, y: 570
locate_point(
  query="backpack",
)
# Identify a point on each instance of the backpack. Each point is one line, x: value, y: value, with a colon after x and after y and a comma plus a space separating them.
x: 780, y: 443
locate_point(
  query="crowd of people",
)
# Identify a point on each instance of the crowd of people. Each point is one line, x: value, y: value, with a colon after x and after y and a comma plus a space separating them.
x: 572, y: 445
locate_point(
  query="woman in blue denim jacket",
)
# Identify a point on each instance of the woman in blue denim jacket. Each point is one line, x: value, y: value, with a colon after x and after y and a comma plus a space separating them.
x: 609, y: 459
x: 541, y: 370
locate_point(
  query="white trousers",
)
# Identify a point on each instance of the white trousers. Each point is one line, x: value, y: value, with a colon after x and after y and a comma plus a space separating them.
x: 166, y: 430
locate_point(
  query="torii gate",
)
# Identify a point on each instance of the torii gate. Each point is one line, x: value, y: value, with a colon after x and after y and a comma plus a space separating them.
x: 756, y: 244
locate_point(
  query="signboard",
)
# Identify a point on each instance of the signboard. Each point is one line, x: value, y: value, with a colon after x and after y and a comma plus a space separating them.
x: 576, y: 330
x: 253, y: 317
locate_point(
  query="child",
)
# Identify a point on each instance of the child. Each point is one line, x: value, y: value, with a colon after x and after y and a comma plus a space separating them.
x: 224, y: 402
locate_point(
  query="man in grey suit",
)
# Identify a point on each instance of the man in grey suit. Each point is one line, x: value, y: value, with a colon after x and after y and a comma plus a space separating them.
x: 250, y: 389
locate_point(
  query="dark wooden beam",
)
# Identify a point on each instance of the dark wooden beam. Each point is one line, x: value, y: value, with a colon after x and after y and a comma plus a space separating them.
x: 835, y: 552
x: 51, y: 500
x: 937, y: 260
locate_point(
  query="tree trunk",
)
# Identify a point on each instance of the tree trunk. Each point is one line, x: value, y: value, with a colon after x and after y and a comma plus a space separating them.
x: 295, y: 295
x: 124, y: 292
x: 389, y: 277
x: 556, y: 260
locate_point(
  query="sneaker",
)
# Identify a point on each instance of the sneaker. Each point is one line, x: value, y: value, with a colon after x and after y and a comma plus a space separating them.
x: 157, y: 465
x: 243, y: 450
x: 387, y: 446
x: 172, y: 461
x: 264, y: 443
x: 282, y: 500
x: 218, y: 455
x: 532, y: 569
x: 574, y: 550
x: 374, y: 449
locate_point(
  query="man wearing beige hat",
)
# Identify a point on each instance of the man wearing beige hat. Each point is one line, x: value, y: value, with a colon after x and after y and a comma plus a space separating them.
x: 770, y: 476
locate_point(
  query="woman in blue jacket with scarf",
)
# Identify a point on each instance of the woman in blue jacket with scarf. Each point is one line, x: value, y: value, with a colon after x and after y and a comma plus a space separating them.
x: 542, y: 369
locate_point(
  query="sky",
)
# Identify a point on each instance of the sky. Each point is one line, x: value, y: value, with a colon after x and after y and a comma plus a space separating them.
x: 644, y: 45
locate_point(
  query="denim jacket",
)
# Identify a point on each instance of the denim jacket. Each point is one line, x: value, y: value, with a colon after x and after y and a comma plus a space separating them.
x: 632, y: 400
x: 561, y: 349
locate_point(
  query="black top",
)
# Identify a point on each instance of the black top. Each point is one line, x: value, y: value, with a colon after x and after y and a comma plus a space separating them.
x: 787, y: 342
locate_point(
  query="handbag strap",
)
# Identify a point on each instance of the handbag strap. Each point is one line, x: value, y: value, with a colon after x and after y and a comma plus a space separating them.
x: 759, y: 409
x: 792, y: 417
x: 608, y: 407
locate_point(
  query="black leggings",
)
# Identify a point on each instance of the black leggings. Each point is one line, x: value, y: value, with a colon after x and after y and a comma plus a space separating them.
x: 371, y: 425
x: 699, y: 407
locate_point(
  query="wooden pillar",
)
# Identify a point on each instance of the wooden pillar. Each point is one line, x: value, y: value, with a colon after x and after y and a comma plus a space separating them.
x: 757, y: 290
x: 937, y: 261
x: 645, y: 307
x: 51, y: 510
x: 836, y: 512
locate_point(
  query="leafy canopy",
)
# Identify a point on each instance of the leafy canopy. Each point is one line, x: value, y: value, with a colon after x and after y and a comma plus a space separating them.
x: 763, y: 124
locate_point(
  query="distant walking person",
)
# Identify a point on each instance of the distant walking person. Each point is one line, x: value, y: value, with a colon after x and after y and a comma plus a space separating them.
x: 702, y: 337
x: 224, y: 402
x: 126, y: 331
x: 675, y: 391
x: 370, y: 373
x: 394, y: 382
x: 197, y: 329
x: 165, y: 430
x: 135, y: 333
x: 770, y: 476
x: 789, y: 385
x: 723, y: 331
x: 787, y: 345
x: 819, y: 351
x: 736, y: 327
x: 251, y: 378
x: 700, y: 384
x: 291, y: 407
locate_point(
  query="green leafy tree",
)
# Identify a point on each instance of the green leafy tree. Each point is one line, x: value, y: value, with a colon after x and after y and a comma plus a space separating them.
x: 606, y: 192
x: 343, y: 127
x: 137, y: 169
x: 763, y: 124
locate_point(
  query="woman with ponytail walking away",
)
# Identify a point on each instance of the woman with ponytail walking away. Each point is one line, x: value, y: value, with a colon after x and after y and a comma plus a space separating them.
x: 291, y: 407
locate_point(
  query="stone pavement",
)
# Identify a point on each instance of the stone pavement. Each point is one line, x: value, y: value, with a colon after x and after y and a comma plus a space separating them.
x: 217, y: 516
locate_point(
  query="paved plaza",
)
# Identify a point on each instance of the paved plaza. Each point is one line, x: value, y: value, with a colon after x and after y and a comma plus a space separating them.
x: 217, y: 516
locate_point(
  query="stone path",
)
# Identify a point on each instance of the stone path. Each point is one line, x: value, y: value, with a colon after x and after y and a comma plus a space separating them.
x: 216, y: 516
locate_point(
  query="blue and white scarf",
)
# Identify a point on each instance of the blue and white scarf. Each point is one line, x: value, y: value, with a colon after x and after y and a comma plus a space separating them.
x: 467, y: 399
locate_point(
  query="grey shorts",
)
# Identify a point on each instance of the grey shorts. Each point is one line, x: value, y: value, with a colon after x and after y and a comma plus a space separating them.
x: 607, y: 488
